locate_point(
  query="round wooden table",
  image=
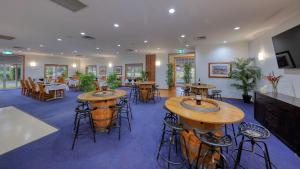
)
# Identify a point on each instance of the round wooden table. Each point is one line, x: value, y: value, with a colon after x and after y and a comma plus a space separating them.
x: 146, y: 90
x: 106, y: 112
x: 204, y: 121
x: 201, y: 89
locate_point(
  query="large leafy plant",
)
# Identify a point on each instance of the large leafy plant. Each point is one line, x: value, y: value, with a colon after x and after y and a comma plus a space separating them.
x: 113, y: 81
x: 187, y: 76
x: 144, y: 75
x: 170, y: 75
x: 87, y: 82
x: 245, y: 73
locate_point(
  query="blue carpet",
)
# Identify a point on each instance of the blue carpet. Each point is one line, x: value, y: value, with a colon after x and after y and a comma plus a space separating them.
x: 136, y: 150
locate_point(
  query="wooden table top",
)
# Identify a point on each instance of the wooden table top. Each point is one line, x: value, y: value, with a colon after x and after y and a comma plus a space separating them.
x: 201, y: 86
x: 226, y: 115
x: 146, y: 83
x: 90, y: 97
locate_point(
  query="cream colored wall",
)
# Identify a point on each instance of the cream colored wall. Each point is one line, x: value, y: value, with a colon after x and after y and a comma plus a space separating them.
x: 290, y: 82
x: 38, y: 70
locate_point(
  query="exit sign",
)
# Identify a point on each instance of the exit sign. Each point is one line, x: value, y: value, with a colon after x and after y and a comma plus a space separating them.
x: 7, y: 52
x: 180, y: 51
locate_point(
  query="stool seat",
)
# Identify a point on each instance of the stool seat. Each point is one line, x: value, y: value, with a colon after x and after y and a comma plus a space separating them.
x: 172, y: 124
x: 213, y: 140
x: 256, y: 131
x: 216, y: 91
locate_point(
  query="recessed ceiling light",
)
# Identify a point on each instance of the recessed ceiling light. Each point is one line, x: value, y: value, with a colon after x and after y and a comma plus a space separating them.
x: 158, y: 48
x: 59, y: 39
x: 75, y: 51
x: 41, y: 45
x: 28, y: 49
x: 61, y: 53
x: 145, y: 41
x: 97, y: 48
x: 171, y: 11
x: 187, y: 45
x: 82, y: 33
x: 182, y: 36
x: 237, y: 28
x: 119, y: 45
x: 117, y: 52
x: 116, y: 25
x: 224, y: 41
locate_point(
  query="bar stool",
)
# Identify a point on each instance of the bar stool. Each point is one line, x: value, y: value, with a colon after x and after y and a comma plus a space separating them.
x: 123, y: 112
x: 216, y: 94
x: 126, y: 103
x: 215, y: 144
x: 173, y: 130
x: 255, y: 134
x: 156, y: 91
x: 82, y: 114
x: 134, y: 92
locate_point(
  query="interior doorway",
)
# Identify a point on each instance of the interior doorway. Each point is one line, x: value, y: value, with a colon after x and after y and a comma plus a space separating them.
x: 11, y: 71
x: 179, y: 61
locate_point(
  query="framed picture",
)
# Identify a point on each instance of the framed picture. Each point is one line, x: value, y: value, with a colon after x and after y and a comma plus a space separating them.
x: 102, y: 70
x: 118, y: 70
x: 219, y: 70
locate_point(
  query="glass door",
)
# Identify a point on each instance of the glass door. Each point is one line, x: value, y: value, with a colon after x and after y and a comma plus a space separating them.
x: 10, y: 75
x: 179, y: 69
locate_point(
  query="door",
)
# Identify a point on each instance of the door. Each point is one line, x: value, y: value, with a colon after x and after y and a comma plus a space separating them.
x: 150, y: 67
x: 10, y: 75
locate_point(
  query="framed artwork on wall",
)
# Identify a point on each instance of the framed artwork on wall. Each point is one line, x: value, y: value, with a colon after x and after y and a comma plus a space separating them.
x: 102, y: 70
x: 118, y: 70
x: 219, y: 69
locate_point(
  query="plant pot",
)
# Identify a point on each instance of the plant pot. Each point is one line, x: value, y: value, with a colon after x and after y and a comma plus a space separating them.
x: 247, y: 98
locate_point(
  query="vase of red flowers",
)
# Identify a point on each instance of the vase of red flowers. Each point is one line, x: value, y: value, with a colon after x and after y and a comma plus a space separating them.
x: 273, y: 79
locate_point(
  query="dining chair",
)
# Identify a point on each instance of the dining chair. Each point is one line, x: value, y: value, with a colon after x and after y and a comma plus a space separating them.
x: 23, y: 87
x: 28, y: 88
x: 42, y: 94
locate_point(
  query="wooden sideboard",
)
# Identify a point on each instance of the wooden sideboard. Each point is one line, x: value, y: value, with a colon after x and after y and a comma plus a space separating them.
x: 281, y: 115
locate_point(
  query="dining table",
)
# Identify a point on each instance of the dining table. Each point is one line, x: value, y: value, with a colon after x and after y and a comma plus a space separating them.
x: 107, y: 100
x: 209, y: 116
x: 54, y: 88
x: 145, y: 89
x: 201, y: 89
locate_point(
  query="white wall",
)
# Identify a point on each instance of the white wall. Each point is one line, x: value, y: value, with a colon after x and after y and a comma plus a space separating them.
x: 219, y: 53
x: 38, y: 71
x: 160, y: 72
x: 290, y: 82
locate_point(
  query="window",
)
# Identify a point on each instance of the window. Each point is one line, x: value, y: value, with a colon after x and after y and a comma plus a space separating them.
x: 179, y: 69
x: 55, y: 71
x: 133, y: 70
x: 91, y: 69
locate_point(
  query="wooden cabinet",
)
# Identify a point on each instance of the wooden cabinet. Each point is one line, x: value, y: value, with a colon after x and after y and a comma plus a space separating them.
x: 281, y: 115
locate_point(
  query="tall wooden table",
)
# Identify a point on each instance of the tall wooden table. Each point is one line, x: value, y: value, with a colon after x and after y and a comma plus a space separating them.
x: 145, y: 90
x: 204, y: 121
x: 102, y: 101
x: 201, y: 89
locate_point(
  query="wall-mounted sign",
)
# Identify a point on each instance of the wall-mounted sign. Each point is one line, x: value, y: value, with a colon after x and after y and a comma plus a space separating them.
x: 180, y: 51
x: 7, y: 52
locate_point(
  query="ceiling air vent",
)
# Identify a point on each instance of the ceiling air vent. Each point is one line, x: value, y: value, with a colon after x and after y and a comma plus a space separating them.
x: 5, y: 37
x: 200, y: 37
x: 72, y: 5
x: 129, y: 50
x: 18, y: 47
x: 88, y: 37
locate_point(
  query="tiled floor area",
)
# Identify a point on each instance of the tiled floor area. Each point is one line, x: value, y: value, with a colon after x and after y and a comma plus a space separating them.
x: 18, y: 128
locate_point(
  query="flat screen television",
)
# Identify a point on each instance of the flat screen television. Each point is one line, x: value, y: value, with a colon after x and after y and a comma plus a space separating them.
x: 287, y: 48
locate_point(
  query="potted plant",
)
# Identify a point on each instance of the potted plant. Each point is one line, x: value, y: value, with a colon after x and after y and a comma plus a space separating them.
x: 87, y: 82
x: 187, y: 76
x: 144, y: 75
x: 113, y: 81
x: 246, y: 75
x: 170, y: 75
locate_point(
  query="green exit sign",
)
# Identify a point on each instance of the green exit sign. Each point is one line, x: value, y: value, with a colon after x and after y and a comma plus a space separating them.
x: 181, y: 51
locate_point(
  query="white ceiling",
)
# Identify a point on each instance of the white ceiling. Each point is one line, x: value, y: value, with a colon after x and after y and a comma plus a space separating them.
x: 35, y: 22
